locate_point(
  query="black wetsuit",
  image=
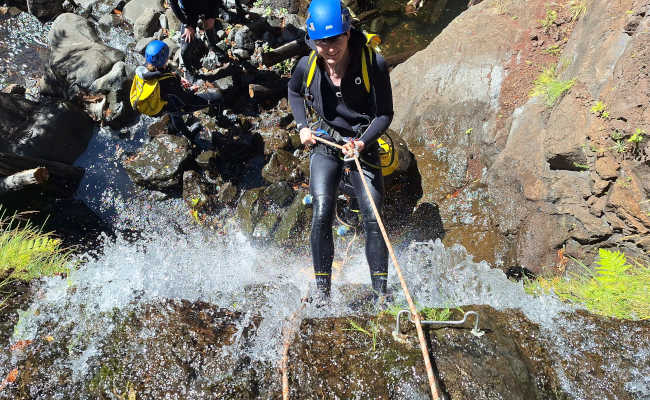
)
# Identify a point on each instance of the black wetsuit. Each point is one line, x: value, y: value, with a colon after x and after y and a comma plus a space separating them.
x: 351, y: 112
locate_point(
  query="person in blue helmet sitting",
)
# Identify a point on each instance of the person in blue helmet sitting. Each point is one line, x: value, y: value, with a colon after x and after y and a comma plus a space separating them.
x: 347, y: 85
x: 157, y: 90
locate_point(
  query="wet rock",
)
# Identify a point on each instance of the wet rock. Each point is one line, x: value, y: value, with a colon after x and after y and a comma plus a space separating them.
x: 195, y: 192
x: 291, y: 229
x: 199, y: 348
x: 116, y: 85
x: 282, y: 166
x: 274, y: 139
x: 159, y: 163
x: 135, y: 8
x: 57, y: 131
x: 227, y: 193
x: 44, y: 9
x: 107, y: 21
x: 147, y: 23
x: 248, y: 209
x: 141, y: 45
x: 78, y: 55
x: 277, y: 195
x: 159, y: 127
x: 14, y: 89
x: 207, y: 159
x: 266, y: 225
x: 244, y: 38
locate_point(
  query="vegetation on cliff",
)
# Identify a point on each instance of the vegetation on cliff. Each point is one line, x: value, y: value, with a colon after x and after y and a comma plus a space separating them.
x: 613, y: 288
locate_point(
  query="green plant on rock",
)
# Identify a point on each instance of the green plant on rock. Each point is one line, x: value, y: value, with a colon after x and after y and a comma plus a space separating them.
x: 554, y: 50
x: 372, y: 333
x: 619, y: 147
x: 583, y: 167
x: 613, y: 288
x: 577, y: 8
x: 285, y: 67
x: 433, y: 314
x: 600, y: 110
x: 549, y: 20
x: 636, y: 138
x: 548, y: 85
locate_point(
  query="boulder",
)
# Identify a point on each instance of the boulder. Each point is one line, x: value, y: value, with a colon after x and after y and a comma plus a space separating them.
x: 77, y: 54
x: 159, y: 163
x: 116, y: 86
x: 146, y: 24
x: 56, y: 131
x: 282, y: 166
x: 248, y: 210
x: 135, y: 8
x: 44, y: 10
x: 274, y: 139
x: 293, y: 228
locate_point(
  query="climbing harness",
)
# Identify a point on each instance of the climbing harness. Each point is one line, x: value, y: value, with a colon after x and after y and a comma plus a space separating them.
x: 475, y: 331
x: 145, y: 95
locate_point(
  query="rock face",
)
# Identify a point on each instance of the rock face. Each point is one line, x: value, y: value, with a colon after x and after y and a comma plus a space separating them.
x: 547, y: 164
x: 57, y: 131
x: 78, y: 55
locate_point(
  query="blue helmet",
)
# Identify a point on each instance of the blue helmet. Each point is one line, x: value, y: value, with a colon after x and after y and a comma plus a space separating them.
x: 327, y: 18
x: 157, y: 53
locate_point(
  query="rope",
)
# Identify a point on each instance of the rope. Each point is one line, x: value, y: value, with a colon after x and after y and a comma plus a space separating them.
x: 433, y: 383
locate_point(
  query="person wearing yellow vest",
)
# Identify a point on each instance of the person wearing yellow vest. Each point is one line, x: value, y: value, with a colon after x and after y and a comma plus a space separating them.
x: 157, y: 90
x: 347, y: 86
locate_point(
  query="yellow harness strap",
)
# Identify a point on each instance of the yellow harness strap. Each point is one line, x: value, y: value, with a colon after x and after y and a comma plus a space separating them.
x: 312, y: 67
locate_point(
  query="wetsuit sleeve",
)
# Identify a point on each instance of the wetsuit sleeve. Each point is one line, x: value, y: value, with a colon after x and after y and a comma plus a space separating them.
x: 296, y: 100
x: 383, y: 102
x: 184, y: 18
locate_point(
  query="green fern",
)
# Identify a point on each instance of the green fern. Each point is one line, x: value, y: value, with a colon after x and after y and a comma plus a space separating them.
x: 614, y: 288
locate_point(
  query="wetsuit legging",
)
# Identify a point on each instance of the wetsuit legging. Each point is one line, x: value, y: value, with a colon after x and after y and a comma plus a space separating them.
x: 326, y: 170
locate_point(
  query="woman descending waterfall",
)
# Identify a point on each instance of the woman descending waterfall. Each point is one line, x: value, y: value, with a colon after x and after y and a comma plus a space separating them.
x: 347, y: 85
x: 157, y: 90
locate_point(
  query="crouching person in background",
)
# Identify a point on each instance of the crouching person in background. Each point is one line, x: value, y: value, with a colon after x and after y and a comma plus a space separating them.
x: 157, y: 90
